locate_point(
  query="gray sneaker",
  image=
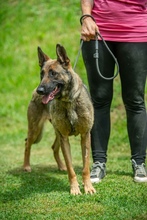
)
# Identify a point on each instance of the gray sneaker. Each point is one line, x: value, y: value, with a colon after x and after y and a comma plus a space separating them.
x: 140, y: 172
x: 98, y: 172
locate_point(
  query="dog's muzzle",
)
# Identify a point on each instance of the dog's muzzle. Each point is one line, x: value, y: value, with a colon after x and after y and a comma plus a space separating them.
x: 48, y: 94
x: 41, y: 90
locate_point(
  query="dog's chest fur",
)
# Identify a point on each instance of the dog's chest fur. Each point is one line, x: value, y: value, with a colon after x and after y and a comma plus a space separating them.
x: 71, y: 118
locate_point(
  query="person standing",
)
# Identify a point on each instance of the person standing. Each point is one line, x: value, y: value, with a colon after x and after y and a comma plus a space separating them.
x: 123, y: 25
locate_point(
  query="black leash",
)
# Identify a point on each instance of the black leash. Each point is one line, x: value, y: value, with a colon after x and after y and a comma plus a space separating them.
x: 79, y: 52
x: 96, y: 56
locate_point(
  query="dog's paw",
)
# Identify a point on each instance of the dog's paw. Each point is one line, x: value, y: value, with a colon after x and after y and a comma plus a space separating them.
x: 62, y: 168
x: 75, y: 190
x: 88, y: 188
x: 27, y: 168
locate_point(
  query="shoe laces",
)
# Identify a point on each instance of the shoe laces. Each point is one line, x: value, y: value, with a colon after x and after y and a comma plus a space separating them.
x: 139, y: 169
x: 97, y: 167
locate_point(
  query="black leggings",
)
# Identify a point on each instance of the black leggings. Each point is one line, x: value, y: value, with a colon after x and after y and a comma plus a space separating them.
x: 132, y: 59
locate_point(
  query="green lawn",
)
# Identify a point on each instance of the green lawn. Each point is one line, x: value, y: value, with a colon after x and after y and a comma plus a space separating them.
x: 44, y: 193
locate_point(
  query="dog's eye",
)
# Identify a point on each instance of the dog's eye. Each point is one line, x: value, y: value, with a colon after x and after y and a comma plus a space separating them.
x: 41, y: 75
x: 52, y: 73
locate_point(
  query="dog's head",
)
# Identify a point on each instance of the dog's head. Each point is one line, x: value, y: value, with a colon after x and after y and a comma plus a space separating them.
x: 55, y: 74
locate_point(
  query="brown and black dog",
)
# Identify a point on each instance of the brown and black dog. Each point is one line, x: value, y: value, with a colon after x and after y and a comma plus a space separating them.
x: 61, y: 98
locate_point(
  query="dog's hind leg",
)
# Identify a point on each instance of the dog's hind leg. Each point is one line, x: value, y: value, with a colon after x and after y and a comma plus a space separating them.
x: 35, y: 130
x: 56, y: 147
x: 85, y: 145
x: 34, y: 136
x: 26, y: 165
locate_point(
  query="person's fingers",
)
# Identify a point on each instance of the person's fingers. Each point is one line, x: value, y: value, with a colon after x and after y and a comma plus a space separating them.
x: 85, y: 38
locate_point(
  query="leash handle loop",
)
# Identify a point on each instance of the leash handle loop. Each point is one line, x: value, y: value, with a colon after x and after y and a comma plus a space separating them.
x: 96, y: 56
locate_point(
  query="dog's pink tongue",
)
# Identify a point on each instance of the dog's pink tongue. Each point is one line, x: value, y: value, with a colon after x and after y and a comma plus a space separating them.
x: 47, y: 98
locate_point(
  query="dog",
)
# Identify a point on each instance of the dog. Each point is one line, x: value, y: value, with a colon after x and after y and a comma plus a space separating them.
x: 63, y: 99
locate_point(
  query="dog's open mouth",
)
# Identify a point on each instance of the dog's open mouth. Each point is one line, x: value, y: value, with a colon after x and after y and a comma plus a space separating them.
x: 51, y: 96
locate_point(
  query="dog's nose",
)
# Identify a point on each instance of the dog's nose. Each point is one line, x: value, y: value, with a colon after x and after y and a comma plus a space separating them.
x: 41, y: 90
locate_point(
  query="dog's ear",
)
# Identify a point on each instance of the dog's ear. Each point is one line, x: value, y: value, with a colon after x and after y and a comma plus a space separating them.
x: 42, y: 57
x: 61, y: 55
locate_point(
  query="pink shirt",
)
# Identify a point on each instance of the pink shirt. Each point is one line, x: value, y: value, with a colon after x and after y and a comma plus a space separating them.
x: 121, y: 20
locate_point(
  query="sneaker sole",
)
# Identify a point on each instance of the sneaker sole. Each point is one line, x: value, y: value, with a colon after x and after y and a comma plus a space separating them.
x: 96, y: 180
x: 140, y: 180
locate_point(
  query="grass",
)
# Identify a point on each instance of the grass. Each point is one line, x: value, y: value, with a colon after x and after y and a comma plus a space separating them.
x: 44, y: 193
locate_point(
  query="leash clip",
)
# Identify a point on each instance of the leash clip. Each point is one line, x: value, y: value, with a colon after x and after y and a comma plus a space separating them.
x: 96, y: 55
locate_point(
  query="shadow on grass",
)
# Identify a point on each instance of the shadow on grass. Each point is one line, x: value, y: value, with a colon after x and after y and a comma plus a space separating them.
x: 42, y: 179
x: 119, y: 173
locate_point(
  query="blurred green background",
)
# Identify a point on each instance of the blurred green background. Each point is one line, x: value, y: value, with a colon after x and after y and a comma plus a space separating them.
x: 24, y: 26
x: 44, y: 193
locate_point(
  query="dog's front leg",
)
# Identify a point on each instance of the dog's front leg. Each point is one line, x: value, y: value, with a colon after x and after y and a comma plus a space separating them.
x: 65, y: 146
x: 85, y: 144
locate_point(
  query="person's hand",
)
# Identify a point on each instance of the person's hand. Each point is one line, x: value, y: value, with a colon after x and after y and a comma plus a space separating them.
x: 89, y: 29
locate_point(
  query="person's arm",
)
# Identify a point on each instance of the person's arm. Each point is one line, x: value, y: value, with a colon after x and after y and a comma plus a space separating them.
x: 89, y: 27
x: 86, y: 6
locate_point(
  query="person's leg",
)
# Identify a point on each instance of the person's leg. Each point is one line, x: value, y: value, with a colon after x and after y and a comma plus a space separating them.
x: 101, y: 93
x: 133, y: 72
